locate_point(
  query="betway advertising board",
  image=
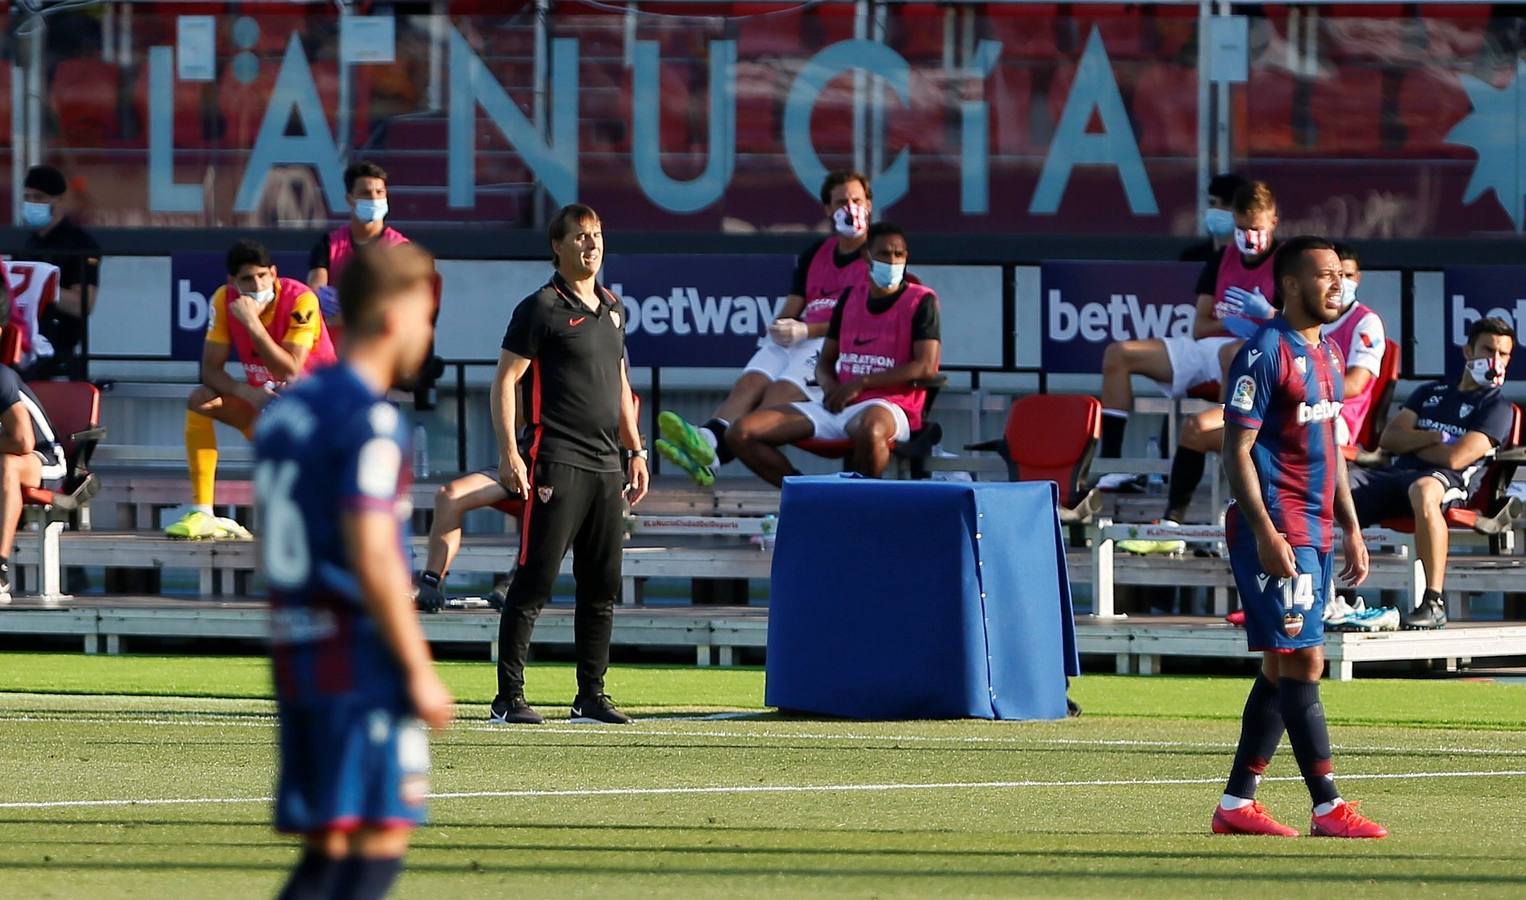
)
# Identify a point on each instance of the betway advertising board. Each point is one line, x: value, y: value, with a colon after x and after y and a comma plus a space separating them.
x: 1088, y: 305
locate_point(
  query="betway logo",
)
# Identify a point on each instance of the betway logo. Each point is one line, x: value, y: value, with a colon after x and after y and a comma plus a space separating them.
x: 1323, y: 411
x: 1463, y: 316
x: 684, y: 311
x: 1121, y: 318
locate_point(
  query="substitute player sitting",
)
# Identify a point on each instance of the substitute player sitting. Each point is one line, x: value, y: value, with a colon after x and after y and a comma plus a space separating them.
x: 275, y: 325
x: 1442, y: 440
x: 784, y: 368
x: 1288, y: 479
x: 353, y: 674
x: 884, y: 337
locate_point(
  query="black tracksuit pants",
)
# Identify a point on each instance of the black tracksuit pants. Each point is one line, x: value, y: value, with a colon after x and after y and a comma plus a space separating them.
x: 568, y: 508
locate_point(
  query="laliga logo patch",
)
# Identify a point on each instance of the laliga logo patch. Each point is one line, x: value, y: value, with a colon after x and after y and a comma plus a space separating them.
x: 1244, y: 396
x: 1292, y: 625
x: 544, y: 492
x: 614, y: 317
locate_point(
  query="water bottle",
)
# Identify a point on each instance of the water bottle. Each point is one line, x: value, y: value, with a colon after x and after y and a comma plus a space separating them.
x: 420, y: 451
x: 1156, y: 482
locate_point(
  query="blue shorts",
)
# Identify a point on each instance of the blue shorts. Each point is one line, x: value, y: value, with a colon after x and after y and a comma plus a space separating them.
x: 1281, y: 613
x: 348, y: 764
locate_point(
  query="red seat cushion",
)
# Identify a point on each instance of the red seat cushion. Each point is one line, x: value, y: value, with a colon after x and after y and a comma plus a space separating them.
x: 1208, y: 390
x: 1461, y: 517
x: 36, y: 496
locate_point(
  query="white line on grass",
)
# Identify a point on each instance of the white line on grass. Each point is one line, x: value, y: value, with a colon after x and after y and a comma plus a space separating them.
x: 779, y: 789
x: 261, y: 720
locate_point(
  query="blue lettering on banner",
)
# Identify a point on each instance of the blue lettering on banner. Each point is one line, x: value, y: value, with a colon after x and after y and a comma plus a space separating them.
x: 1088, y: 305
x: 694, y: 310
x: 1476, y: 292
x: 194, y: 278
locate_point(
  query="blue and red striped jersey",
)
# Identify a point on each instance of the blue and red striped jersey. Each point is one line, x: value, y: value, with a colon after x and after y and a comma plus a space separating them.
x: 1289, y: 392
x: 327, y: 446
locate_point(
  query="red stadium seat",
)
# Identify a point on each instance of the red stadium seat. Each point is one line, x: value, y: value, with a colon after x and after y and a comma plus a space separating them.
x: 84, y: 95
x: 1009, y: 94
x: 1052, y: 437
x: 1347, y: 111
x: 1026, y: 30
x: 1165, y: 110
x: 1431, y: 103
x: 1263, y: 113
x: 1489, y: 501
x: 917, y: 448
x: 74, y: 410
x: 1383, y: 395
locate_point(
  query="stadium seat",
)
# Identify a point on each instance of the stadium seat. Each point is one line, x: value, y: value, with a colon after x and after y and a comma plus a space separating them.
x: 1166, y: 120
x: 1490, y: 510
x: 1061, y: 451
x: 914, y: 450
x: 1431, y: 103
x: 1347, y: 112
x: 74, y: 409
x: 1383, y: 395
x: 84, y: 95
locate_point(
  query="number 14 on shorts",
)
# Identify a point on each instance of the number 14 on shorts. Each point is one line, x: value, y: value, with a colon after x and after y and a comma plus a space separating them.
x: 1297, y: 592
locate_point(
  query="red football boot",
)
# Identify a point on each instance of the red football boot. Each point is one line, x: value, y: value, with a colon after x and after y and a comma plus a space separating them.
x: 1236, y: 618
x: 1345, y: 822
x: 1252, y: 819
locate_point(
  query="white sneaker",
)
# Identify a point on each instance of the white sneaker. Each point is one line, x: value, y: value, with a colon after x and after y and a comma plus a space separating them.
x: 229, y: 530
x: 1338, y: 612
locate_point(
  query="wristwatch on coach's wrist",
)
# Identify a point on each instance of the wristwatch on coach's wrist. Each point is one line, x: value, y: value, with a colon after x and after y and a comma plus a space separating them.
x: 638, y: 454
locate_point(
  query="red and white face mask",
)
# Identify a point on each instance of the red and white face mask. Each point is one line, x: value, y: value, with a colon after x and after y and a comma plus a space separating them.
x: 851, y: 220
x: 1252, y: 242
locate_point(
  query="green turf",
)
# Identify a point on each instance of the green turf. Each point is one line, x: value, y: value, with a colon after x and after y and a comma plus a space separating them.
x: 201, y: 728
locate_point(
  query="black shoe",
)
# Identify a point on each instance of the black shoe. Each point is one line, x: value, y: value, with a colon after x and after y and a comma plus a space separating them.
x: 1072, y: 709
x: 598, y: 708
x: 498, y: 597
x: 514, y: 711
x: 5, y: 584
x: 1429, y: 614
x: 428, y: 598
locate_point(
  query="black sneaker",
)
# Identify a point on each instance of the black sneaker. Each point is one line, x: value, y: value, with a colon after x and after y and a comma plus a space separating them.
x: 598, y: 708
x: 514, y: 711
x: 428, y: 597
x: 1072, y: 709
x: 498, y: 597
x: 1429, y: 614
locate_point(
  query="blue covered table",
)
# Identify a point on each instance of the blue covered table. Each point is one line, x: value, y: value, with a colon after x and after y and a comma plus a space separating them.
x: 919, y: 599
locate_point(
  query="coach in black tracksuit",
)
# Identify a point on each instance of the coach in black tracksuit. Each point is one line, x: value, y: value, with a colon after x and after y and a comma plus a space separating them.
x: 566, y: 343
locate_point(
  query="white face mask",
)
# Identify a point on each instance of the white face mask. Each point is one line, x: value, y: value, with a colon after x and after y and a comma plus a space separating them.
x: 1252, y: 242
x: 1483, y: 372
x: 851, y: 221
x: 1348, y: 292
x: 886, y: 275
x: 371, y: 210
x: 36, y: 215
x: 1219, y: 223
x: 265, y: 296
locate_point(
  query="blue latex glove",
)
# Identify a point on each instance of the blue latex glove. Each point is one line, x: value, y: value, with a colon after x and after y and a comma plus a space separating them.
x: 1241, y: 327
x: 328, y: 301
x: 1240, y: 302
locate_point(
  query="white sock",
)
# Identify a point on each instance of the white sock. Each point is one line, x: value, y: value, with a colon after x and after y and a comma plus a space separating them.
x: 1229, y: 801
x: 1116, y: 413
x: 1325, y: 809
x: 203, y: 508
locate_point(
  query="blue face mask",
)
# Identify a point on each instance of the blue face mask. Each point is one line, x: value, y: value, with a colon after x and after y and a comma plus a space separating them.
x: 371, y: 210
x: 886, y: 275
x: 1219, y: 223
x: 36, y: 215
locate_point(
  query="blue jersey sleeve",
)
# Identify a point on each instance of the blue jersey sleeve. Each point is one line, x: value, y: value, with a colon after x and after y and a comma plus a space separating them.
x: 1252, y: 378
x: 371, y: 465
x: 1495, y: 419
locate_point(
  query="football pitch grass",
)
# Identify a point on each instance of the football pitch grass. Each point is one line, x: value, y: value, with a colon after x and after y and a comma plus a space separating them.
x: 149, y: 777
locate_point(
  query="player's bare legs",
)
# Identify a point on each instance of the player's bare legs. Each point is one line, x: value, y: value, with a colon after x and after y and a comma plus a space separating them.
x: 1123, y: 359
x: 782, y: 393
x: 451, y: 503
x: 757, y: 437
x: 16, y: 471
x: 1431, y: 538
x: 871, y: 432
x: 746, y: 395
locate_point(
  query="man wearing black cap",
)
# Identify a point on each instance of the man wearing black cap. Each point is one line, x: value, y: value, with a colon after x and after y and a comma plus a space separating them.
x: 57, y: 239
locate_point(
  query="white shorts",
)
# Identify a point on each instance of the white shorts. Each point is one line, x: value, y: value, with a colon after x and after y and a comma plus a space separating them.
x: 831, y: 426
x: 795, y: 364
x: 1194, y: 361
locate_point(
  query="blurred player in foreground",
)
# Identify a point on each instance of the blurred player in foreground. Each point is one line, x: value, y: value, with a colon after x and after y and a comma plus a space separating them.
x: 353, y: 675
x: 1289, y: 483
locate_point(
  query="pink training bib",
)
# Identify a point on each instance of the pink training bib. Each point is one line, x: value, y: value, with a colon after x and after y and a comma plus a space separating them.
x: 287, y: 292
x: 877, y: 342
x: 825, y: 281
x: 342, y: 248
